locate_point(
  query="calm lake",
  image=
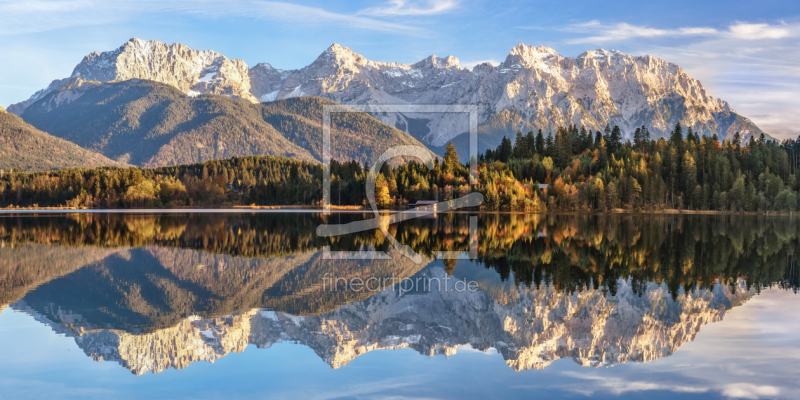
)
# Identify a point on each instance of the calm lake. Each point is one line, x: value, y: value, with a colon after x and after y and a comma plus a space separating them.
x: 272, y: 305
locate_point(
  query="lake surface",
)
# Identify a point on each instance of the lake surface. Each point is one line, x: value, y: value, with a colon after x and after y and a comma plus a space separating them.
x: 259, y: 305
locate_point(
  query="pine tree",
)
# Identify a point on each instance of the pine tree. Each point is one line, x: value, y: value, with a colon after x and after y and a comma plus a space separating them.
x: 530, y: 141
x: 504, y: 152
x: 585, y: 140
x: 540, y: 143
x: 451, y: 162
x: 616, y: 138
x: 520, y: 146
x: 602, y: 154
x: 676, y: 138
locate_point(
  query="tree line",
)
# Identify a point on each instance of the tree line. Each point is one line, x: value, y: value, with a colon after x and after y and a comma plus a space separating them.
x: 575, y: 169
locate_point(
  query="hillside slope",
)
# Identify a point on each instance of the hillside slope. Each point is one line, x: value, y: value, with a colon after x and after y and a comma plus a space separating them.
x: 153, y: 124
x: 24, y: 147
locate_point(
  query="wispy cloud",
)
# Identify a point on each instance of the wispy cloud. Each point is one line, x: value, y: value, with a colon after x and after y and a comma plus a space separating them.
x: 603, y: 33
x: 44, y: 15
x: 406, y: 8
x: 747, y: 31
x: 623, y: 31
x: 472, y: 63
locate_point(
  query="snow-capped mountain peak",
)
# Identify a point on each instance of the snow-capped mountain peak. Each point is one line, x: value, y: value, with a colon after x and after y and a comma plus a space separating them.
x: 534, y: 88
x: 438, y: 62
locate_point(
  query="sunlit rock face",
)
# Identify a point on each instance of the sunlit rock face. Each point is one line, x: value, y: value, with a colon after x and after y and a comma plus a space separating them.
x: 531, y: 330
x: 534, y: 88
x: 191, y: 71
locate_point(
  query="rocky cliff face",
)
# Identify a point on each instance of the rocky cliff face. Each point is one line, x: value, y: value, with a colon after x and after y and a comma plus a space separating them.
x: 193, y: 72
x: 536, y: 328
x: 534, y: 88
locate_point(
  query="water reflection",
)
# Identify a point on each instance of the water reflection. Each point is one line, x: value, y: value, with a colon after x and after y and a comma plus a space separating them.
x: 157, y: 292
x: 539, y: 327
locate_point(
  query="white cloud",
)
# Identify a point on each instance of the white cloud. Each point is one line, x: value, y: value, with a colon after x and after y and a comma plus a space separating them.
x: 747, y: 31
x: 406, y: 8
x: 44, y: 15
x: 624, y: 31
x: 471, y: 64
x: 620, y: 385
x: 750, y: 391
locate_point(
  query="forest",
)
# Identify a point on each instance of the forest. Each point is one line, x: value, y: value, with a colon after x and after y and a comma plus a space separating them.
x: 573, y: 170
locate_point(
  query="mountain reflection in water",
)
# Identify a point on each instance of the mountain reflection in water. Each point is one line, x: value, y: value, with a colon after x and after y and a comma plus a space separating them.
x: 153, y: 292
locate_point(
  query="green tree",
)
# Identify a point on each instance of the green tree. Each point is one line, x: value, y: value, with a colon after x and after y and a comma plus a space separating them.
x: 451, y: 163
x: 540, y: 143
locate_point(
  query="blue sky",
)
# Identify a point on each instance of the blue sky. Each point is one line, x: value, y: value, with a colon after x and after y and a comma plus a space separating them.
x: 745, y: 52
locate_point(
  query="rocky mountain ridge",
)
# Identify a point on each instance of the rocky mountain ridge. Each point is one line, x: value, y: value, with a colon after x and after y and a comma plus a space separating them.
x: 191, y: 71
x: 534, y: 88
x: 152, y: 124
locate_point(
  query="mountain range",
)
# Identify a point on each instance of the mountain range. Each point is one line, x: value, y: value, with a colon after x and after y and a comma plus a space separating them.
x: 152, y: 124
x: 152, y: 104
x: 534, y: 88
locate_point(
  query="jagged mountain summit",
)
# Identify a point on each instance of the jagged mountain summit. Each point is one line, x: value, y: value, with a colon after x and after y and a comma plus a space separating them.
x: 534, y: 88
x: 191, y: 71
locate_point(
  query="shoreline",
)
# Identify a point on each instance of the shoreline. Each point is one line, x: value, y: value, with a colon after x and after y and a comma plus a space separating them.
x: 356, y: 210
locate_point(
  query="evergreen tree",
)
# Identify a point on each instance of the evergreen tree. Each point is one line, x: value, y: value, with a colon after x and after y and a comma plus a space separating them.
x: 615, y: 140
x: 540, y: 143
x: 676, y: 137
x: 504, y: 152
x: 530, y: 141
x: 520, y: 147
x: 585, y: 140
x: 602, y: 154
x: 451, y: 163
